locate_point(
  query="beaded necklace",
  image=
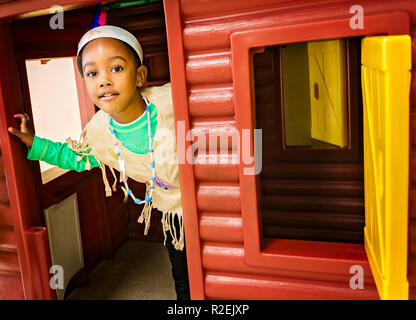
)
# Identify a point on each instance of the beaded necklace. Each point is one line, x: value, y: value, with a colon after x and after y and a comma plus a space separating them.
x: 148, y: 198
x: 134, y: 126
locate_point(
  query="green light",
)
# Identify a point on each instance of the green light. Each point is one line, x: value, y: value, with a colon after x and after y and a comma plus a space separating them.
x: 128, y: 3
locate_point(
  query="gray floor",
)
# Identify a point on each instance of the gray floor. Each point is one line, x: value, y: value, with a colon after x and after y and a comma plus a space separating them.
x: 139, y: 271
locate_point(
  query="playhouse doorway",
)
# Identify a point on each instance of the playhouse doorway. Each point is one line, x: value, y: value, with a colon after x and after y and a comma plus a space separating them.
x: 106, y: 223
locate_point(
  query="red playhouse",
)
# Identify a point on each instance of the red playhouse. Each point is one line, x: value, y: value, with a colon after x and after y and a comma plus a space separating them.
x: 321, y: 93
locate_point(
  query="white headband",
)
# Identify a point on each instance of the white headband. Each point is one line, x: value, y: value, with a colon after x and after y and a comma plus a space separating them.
x: 108, y: 31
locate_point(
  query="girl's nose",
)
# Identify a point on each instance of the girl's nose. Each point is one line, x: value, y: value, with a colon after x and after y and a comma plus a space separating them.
x: 105, y: 80
x: 104, y: 83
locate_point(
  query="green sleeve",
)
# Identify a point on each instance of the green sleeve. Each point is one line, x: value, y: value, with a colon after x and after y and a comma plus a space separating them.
x: 59, y: 154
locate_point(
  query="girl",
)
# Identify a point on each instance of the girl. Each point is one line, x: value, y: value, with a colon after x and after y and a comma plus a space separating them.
x: 133, y: 132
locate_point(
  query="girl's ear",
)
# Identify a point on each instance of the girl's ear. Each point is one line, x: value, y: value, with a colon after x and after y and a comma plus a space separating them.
x: 141, y: 76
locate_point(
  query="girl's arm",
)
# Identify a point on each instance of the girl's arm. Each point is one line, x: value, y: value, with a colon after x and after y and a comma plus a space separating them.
x: 58, y: 154
x: 54, y: 153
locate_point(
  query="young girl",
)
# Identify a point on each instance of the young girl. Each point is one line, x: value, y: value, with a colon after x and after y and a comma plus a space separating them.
x: 134, y: 132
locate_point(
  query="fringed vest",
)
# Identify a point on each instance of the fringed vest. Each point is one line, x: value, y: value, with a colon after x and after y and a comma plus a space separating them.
x: 97, y: 138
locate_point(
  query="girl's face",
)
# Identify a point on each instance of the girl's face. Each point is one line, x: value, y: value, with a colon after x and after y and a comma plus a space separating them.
x: 111, y: 77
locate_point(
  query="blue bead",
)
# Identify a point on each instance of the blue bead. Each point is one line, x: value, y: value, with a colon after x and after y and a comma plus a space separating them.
x: 152, y: 164
x: 150, y: 150
x: 152, y: 178
x: 113, y: 131
x: 149, y: 122
x: 129, y: 191
x: 137, y: 201
x: 118, y: 154
x: 147, y: 108
x: 152, y: 187
x: 148, y: 199
x: 109, y: 119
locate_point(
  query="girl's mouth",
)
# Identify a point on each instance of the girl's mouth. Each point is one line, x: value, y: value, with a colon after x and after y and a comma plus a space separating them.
x: 109, y: 96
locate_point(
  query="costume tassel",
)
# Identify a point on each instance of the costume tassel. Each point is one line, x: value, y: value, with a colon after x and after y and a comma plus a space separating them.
x: 125, y: 194
x: 180, y: 244
x: 108, y: 192
x: 115, y: 179
x: 165, y: 226
x: 177, y: 243
x: 146, y: 215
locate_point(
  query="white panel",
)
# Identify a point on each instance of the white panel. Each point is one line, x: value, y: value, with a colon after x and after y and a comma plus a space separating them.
x: 64, y: 234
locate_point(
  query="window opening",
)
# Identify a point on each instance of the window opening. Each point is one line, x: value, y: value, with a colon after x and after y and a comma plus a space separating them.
x: 55, y: 105
x: 311, y: 186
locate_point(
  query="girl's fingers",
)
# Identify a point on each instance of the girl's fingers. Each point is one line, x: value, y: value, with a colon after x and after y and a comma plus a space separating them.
x: 14, y: 131
x: 17, y: 133
x: 27, y: 139
x: 24, y: 117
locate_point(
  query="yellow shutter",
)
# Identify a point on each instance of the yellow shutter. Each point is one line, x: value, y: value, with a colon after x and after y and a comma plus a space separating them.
x: 327, y: 82
x: 386, y: 61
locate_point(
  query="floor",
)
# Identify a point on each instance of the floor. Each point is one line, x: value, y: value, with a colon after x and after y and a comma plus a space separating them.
x: 139, y: 271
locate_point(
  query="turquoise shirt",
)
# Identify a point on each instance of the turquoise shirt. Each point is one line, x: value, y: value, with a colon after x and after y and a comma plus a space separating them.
x: 132, y: 135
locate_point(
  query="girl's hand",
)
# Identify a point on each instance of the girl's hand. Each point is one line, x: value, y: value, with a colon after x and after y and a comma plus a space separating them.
x: 25, y: 134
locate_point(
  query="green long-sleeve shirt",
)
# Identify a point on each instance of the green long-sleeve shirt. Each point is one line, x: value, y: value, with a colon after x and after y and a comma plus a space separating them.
x: 133, y: 136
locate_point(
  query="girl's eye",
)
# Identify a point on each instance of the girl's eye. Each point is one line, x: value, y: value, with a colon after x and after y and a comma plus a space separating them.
x: 91, y: 74
x: 117, y: 68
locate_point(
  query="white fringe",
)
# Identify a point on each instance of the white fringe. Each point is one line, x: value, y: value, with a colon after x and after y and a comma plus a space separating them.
x: 82, y: 147
x: 168, y: 217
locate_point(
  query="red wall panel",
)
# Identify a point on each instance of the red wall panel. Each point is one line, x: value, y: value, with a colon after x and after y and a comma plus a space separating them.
x: 199, y: 33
